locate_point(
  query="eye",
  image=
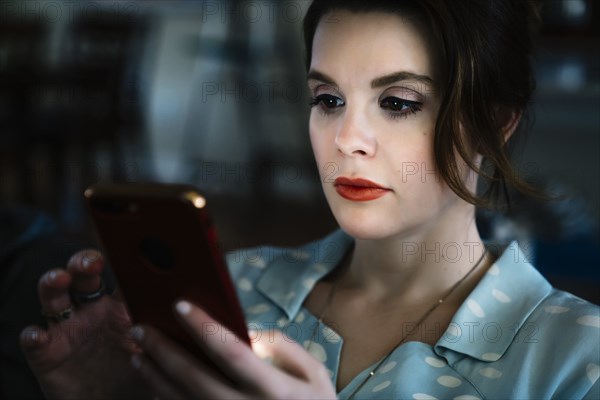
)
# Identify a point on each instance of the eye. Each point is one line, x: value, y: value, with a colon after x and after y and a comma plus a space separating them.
x: 328, y: 103
x: 398, y: 107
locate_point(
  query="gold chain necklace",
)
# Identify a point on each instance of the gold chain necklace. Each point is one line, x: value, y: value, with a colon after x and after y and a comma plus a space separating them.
x: 418, y: 325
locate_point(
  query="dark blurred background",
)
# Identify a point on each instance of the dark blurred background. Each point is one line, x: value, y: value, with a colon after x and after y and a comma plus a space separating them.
x: 213, y: 93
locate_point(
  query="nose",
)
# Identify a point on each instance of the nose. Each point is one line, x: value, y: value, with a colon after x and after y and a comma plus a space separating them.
x: 354, y: 137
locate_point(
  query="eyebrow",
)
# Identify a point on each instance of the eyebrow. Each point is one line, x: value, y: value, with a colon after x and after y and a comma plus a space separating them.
x: 377, y: 82
x: 400, y: 76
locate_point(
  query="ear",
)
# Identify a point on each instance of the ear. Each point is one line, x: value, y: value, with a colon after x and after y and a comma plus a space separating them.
x: 510, y: 119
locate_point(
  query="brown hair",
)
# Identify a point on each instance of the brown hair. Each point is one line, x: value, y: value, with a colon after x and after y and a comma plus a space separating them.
x: 484, y: 77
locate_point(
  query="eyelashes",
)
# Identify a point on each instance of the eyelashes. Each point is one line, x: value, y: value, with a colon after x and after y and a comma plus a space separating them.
x: 398, y: 107
x: 328, y: 103
x: 394, y: 106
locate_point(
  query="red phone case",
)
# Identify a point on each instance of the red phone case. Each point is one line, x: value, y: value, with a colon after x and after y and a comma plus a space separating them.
x: 162, y: 247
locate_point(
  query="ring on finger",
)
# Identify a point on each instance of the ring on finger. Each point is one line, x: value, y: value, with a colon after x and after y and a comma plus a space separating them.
x: 58, y: 317
x: 79, y: 297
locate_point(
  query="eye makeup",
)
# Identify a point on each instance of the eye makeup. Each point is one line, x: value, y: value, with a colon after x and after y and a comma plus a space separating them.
x: 398, y: 102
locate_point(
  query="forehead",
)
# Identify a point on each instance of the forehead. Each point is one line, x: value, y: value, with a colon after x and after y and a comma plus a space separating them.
x: 348, y: 45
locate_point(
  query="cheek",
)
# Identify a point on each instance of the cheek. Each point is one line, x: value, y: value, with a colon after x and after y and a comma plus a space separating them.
x: 321, y: 145
x: 411, y: 155
x: 318, y: 154
x: 414, y: 165
x: 314, y: 142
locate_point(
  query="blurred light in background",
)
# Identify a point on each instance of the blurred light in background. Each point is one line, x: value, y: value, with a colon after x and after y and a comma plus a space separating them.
x: 571, y: 76
x: 574, y: 9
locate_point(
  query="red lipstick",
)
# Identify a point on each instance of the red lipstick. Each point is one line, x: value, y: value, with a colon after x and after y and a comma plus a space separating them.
x: 359, y: 189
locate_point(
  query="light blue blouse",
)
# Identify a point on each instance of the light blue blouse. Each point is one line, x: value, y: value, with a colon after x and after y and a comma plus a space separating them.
x: 515, y: 337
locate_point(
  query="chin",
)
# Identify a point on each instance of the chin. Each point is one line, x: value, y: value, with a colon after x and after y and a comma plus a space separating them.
x: 365, y: 224
x: 372, y: 220
x: 364, y: 233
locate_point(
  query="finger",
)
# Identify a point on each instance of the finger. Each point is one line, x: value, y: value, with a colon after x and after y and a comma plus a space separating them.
x: 33, y: 338
x: 85, y: 266
x: 53, y: 291
x: 163, y: 388
x: 236, y: 359
x: 34, y: 342
x: 179, y: 366
x: 288, y: 355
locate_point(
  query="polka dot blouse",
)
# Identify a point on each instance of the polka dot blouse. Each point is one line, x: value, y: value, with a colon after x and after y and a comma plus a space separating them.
x: 514, y: 337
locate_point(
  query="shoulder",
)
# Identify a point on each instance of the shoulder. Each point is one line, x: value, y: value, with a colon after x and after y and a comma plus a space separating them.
x: 568, y: 327
x: 553, y: 351
x: 563, y: 343
x: 568, y: 312
x: 558, y: 325
x: 518, y: 336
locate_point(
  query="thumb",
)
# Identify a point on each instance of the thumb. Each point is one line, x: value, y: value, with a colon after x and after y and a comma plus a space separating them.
x: 285, y: 354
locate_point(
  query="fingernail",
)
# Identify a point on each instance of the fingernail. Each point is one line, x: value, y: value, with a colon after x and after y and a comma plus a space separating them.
x: 51, y: 276
x: 136, y: 361
x: 137, y: 333
x: 34, y: 336
x: 183, y: 307
x: 86, y: 262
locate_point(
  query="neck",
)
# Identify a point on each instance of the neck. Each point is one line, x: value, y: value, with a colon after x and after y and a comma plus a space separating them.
x: 418, y: 267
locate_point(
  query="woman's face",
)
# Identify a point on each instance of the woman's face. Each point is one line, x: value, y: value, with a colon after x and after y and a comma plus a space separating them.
x: 373, y: 118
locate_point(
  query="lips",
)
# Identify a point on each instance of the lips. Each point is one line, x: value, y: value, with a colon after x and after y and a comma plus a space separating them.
x: 359, y: 189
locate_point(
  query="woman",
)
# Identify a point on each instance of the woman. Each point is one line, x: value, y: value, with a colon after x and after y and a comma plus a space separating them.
x: 405, y: 301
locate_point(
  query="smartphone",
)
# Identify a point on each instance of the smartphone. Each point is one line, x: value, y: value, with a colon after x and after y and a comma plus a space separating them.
x: 162, y: 246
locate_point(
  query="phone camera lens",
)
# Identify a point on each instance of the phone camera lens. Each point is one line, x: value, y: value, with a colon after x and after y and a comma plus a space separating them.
x: 157, y: 254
